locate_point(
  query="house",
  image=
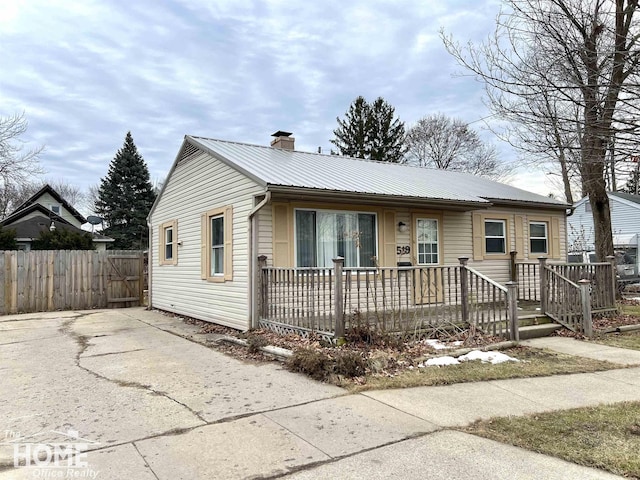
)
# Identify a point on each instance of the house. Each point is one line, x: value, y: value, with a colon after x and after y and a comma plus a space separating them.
x: 225, y: 203
x: 47, y: 210
x: 625, y: 225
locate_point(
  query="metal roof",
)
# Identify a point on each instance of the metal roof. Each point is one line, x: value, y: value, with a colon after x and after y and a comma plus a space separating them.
x: 276, y: 167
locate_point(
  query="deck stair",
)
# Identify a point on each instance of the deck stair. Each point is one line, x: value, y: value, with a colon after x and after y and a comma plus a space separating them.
x: 535, y: 324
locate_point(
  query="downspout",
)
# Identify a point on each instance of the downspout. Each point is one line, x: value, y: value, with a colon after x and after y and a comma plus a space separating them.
x: 149, y: 266
x: 253, y: 259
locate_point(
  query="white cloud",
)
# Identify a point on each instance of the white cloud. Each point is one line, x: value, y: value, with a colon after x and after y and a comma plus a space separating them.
x: 87, y: 72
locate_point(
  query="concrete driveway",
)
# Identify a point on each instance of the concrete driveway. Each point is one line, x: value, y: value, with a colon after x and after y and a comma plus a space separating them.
x: 129, y: 394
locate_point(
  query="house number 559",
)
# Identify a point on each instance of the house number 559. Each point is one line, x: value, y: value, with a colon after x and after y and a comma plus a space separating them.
x: 403, y: 250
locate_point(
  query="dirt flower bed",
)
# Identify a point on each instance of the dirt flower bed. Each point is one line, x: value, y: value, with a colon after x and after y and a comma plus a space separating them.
x: 365, y: 352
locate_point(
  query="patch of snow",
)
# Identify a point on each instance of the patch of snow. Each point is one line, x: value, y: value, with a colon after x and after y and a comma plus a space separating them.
x: 441, y: 362
x: 487, y: 357
x: 438, y: 345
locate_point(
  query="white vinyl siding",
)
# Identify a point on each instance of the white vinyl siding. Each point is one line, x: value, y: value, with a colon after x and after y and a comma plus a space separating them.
x: 625, y: 220
x: 200, y: 184
x: 47, y: 201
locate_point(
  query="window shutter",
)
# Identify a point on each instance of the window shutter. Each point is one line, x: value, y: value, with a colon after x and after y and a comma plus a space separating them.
x: 519, y: 220
x: 228, y: 243
x: 555, y: 237
x: 204, y: 221
x: 478, y: 237
x: 389, y: 239
x: 282, y: 251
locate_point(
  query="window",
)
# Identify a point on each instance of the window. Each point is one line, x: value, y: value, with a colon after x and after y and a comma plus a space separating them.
x: 321, y: 236
x: 168, y: 243
x: 495, y: 236
x: 217, y: 244
x: 55, y: 209
x: 427, y: 239
x: 538, y: 237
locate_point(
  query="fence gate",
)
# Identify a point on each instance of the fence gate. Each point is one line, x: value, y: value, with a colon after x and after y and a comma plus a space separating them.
x: 125, y: 284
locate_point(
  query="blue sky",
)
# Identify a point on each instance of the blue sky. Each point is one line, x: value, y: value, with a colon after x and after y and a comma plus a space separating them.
x: 85, y: 72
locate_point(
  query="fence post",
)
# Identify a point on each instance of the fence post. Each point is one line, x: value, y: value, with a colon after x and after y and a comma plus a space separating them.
x: 543, y: 285
x: 512, y: 311
x: 614, y: 281
x: 513, y: 270
x: 261, y: 293
x: 464, y: 288
x: 338, y: 305
x: 585, y: 296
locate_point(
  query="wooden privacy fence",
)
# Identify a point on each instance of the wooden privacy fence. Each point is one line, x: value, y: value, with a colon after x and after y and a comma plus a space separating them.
x: 49, y: 280
x: 410, y: 300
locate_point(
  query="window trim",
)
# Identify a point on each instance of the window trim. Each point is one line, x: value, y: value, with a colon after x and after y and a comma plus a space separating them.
x: 546, y: 237
x: 226, y: 213
x: 170, y: 225
x: 335, y: 211
x: 59, y: 212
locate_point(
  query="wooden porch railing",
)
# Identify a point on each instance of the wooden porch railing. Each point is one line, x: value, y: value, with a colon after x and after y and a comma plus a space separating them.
x: 409, y: 300
x: 601, y: 275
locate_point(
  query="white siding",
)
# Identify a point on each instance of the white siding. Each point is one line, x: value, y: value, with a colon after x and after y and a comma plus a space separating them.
x: 625, y: 219
x: 47, y: 200
x: 200, y: 184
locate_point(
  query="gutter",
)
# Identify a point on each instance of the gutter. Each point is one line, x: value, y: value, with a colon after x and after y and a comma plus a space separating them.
x: 253, y: 259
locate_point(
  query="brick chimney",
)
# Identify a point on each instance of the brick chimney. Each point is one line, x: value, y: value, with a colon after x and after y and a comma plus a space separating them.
x: 283, y: 140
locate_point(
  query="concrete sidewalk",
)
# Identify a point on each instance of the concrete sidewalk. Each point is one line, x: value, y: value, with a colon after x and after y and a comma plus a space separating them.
x: 163, y: 407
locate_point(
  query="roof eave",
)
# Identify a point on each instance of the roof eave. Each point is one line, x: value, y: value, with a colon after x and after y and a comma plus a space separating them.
x: 528, y: 204
x: 314, y: 194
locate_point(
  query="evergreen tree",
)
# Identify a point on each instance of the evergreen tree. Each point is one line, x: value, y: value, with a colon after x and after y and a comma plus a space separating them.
x: 8, y: 239
x: 386, y: 133
x: 352, y: 134
x: 61, y: 239
x: 370, y: 131
x: 125, y: 197
x: 632, y: 184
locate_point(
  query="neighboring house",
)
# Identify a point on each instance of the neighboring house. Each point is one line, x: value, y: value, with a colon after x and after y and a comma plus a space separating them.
x: 224, y: 203
x: 46, y: 210
x: 625, y: 225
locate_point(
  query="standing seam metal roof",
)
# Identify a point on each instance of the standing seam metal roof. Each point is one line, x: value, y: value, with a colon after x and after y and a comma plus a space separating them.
x: 277, y: 167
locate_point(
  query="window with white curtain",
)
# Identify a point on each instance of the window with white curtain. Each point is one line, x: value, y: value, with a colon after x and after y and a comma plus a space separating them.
x: 323, y: 235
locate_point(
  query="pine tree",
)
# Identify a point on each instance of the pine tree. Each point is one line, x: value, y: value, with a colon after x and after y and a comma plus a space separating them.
x: 352, y: 132
x: 387, y: 134
x: 125, y: 197
x: 370, y: 131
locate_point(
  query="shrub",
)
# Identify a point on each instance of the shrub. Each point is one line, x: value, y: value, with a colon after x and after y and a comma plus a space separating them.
x: 350, y: 364
x: 313, y: 363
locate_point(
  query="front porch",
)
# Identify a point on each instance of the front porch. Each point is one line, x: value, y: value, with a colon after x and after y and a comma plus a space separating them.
x: 417, y: 301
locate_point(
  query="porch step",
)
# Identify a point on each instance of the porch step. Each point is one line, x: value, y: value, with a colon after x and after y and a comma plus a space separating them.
x: 533, y: 319
x: 537, y: 331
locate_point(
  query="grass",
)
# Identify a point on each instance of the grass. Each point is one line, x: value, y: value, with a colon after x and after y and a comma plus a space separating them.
x: 533, y: 363
x: 630, y: 309
x: 622, y: 340
x: 606, y: 437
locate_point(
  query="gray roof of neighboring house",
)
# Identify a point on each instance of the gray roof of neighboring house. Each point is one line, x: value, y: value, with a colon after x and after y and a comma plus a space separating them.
x: 276, y: 167
x: 626, y: 196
